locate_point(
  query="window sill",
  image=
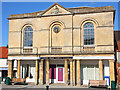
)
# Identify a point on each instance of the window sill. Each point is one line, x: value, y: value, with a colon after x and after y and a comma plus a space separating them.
x: 89, y: 46
x: 27, y: 47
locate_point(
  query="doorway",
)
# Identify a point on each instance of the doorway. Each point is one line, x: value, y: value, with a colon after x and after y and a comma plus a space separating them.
x: 52, y: 74
x: 60, y: 73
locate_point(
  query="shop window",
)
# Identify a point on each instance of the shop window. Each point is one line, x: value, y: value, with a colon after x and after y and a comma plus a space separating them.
x: 28, y: 71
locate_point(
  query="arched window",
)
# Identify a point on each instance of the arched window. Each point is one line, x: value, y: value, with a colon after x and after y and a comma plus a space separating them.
x: 88, y: 33
x: 28, y: 36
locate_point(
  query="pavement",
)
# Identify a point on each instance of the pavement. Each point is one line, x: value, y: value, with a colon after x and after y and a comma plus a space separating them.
x: 43, y: 87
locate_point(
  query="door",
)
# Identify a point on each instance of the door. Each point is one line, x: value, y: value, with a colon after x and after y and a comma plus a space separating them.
x: 52, y: 74
x: 28, y: 72
x: 60, y: 74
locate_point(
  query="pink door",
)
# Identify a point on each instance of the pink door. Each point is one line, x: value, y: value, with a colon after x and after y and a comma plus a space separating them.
x: 60, y: 74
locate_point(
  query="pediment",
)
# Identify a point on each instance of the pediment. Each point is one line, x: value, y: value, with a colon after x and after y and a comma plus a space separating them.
x: 56, y: 9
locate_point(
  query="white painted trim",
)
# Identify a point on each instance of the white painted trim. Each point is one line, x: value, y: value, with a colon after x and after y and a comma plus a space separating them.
x: 93, y: 57
x: 20, y: 70
x: 30, y: 58
x: 57, y: 74
x: 54, y: 80
x: 63, y: 75
x: 94, y: 72
x: 30, y: 80
x: 85, y: 82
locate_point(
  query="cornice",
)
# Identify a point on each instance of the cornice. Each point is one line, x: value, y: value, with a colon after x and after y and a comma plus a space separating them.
x: 40, y: 16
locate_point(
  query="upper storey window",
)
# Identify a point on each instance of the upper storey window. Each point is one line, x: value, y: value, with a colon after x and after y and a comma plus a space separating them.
x: 88, y: 33
x: 28, y: 36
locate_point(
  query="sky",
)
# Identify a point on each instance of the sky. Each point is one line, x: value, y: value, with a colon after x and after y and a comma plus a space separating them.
x: 28, y: 7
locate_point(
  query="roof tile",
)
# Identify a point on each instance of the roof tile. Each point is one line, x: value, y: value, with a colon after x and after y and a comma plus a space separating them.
x: 3, y: 52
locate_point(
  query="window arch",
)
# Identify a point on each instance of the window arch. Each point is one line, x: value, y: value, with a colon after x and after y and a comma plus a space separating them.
x: 28, y: 36
x: 88, y: 33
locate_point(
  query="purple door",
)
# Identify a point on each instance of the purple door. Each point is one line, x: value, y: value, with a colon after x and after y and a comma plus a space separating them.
x: 60, y: 74
x: 52, y: 74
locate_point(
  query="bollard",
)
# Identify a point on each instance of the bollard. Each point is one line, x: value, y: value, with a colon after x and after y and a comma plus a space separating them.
x: 106, y: 87
x: 0, y: 79
x: 47, y: 87
x: 8, y: 81
x: 113, y: 85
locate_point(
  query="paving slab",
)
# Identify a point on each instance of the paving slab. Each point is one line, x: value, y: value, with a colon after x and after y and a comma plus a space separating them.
x: 43, y: 87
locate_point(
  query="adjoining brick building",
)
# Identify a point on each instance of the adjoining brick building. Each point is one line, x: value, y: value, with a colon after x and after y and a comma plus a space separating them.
x: 117, y: 55
x: 63, y: 45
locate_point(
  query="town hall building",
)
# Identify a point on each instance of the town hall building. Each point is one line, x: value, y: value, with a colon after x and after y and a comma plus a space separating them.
x: 63, y: 45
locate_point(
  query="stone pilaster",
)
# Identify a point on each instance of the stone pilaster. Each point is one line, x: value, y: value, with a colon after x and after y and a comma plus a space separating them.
x: 41, y: 72
x: 10, y: 68
x: 78, y: 73
x: 18, y: 69
x: 47, y: 72
x: 100, y: 70
x: 36, y: 72
x: 111, y: 71
x: 74, y: 72
x: 71, y: 72
x: 66, y: 71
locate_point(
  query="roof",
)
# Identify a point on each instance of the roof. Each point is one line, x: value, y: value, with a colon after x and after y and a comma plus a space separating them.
x: 3, y: 52
x: 90, y: 9
x: 118, y: 44
x: 73, y: 10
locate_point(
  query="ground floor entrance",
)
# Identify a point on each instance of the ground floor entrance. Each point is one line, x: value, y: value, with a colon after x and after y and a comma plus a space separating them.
x: 56, y: 73
x: 70, y: 71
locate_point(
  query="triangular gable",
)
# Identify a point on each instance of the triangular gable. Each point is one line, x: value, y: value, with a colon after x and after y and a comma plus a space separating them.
x: 56, y: 9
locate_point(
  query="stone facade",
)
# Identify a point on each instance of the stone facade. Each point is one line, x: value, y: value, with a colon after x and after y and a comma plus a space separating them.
x: 67, y: 45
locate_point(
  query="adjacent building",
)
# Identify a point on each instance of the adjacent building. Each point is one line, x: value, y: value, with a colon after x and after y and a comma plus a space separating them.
x: 4, y: 63
x: 117, y: 55
x: 63, y: 45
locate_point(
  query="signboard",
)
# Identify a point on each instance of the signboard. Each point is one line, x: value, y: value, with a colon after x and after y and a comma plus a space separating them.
x: 107, y: 78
